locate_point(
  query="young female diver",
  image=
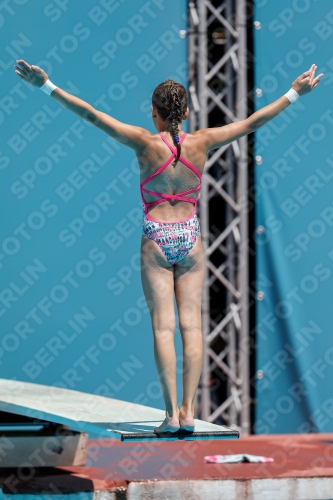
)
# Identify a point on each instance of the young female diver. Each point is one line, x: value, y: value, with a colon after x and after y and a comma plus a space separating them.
x: 172, y: 261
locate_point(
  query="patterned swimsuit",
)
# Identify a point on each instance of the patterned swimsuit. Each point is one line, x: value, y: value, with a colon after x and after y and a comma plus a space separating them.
x: 175, y: 239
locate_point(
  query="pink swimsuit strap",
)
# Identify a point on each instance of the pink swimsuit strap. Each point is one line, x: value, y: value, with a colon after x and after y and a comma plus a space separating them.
x: 164, y: 196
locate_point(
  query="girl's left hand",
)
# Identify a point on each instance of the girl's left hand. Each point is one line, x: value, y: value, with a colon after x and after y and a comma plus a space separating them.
x: 34, y: 75
x: 306, y: 82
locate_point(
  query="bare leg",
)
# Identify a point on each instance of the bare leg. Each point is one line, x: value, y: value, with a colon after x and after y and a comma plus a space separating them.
x: 189, y: 275
x: 158, y: 286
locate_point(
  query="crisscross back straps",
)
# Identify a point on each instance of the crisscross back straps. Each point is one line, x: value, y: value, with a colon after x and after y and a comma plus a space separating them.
x: 164, y: 196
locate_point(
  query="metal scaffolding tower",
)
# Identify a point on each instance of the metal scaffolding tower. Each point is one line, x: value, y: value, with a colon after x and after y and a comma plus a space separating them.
x: 219, y: 83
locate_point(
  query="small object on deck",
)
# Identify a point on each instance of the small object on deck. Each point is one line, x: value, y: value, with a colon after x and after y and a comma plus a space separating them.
x: 233, y: 459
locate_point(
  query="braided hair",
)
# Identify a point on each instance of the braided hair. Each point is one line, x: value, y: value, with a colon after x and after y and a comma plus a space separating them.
x: 170, y: 100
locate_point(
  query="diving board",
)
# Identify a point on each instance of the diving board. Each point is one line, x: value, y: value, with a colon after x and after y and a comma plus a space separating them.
x: 98, y: 414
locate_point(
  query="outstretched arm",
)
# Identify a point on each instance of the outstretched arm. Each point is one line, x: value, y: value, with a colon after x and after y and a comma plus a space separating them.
x: 216, y: 137
x: 134, y: 137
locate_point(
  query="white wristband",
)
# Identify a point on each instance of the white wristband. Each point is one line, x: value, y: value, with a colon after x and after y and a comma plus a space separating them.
x: 47, y: 87
x: 292, y: 95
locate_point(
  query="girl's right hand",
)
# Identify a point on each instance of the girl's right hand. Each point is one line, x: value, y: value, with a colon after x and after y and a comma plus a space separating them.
x: 306, y: 82
x: 34, y: 75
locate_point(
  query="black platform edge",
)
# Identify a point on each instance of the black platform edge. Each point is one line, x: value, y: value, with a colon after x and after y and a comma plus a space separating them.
x: 179, y: 435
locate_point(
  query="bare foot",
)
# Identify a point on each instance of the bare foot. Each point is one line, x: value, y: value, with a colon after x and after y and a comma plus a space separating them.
x: 170, y: 424
x: 186, y: 421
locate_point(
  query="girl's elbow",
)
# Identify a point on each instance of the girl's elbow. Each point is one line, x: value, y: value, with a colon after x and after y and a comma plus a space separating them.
x: 247, y: 125
x: 253, y: 126
x: 91, y: 117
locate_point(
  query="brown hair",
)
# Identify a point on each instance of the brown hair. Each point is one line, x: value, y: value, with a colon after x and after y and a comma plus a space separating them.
x: 170, y: 100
